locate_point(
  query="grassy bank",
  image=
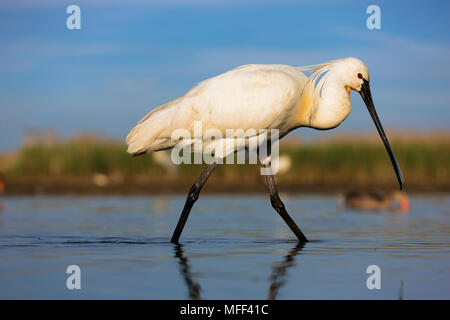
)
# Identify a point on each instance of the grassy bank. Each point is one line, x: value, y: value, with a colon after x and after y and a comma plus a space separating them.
x: 87, y: 165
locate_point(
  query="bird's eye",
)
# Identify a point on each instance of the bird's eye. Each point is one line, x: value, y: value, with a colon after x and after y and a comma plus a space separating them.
x: 360, y: 75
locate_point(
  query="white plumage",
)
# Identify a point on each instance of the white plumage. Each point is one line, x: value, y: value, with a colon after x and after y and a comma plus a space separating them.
x: 254, y: 97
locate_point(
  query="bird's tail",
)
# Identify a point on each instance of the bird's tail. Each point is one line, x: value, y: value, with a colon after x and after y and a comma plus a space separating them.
x: 145, y: 136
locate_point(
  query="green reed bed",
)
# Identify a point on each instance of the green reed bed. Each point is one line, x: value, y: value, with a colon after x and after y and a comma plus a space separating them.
x: 339, y: 162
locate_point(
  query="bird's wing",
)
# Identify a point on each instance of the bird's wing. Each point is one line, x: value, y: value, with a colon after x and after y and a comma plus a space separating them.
x: 248, y: 97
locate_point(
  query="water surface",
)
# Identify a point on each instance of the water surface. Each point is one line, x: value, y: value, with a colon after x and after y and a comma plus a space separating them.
x: 233, y: 247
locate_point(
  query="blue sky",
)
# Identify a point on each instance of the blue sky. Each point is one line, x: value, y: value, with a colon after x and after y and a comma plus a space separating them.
x: 131, y: 56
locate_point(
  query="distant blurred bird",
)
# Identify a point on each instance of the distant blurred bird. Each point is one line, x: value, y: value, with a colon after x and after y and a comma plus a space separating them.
x: 262, y: 98
x: 163, y: 159
x: 100, y: 179
x: 394, y: 200
x: 284, y: 163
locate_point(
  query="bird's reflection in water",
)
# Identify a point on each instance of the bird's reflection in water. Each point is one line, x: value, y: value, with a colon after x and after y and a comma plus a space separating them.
x: 279, y: 270
x: 277, y: 279
x: 185, y: 268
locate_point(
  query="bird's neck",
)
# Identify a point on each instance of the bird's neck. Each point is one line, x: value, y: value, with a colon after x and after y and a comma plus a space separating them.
x: 325, y: 107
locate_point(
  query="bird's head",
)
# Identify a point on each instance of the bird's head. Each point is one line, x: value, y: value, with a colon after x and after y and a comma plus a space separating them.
x: 355, y: 76
x: 352, y: 73
x: 398, y: 201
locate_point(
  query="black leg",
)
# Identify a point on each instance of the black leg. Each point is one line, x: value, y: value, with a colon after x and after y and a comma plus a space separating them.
x: 278, y: 205
x: 191, y: 198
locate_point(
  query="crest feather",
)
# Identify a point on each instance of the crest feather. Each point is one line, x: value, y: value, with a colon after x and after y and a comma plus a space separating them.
x: 318, y: 76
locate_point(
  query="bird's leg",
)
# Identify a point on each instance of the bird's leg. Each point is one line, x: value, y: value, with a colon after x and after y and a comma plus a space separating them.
x: 278, y: 205
x: 191, y: 198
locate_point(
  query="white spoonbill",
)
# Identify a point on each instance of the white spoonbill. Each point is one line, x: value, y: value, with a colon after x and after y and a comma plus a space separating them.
x: 259, y: 97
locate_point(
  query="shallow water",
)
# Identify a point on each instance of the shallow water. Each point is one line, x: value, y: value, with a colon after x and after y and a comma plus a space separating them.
x: 234, y: 247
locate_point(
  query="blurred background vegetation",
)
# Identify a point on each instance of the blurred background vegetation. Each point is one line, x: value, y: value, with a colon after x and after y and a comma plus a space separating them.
x: 92, y: 164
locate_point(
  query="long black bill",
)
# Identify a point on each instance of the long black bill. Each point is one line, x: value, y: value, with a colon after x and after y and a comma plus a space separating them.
x: 367, y: 97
